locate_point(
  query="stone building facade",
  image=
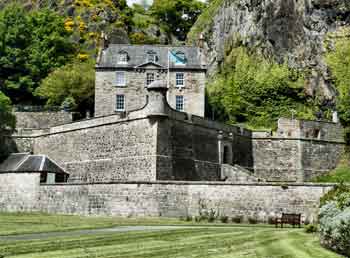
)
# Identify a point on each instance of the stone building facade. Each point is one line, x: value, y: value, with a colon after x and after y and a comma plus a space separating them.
x: 124, y: 72
x: 154, y: 160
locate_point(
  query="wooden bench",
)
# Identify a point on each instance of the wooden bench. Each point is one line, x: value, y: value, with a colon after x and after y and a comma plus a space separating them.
x: 289, y: 218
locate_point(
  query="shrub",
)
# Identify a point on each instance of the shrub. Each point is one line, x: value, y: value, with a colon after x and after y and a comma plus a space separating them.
x: 252, y: 220
x: 224, y: 219
x: 237, y: 219
x: 335, y: 229
x: 271, y: 220
x: 335, y: 194
x: 311, y: 228
x: 212, y: 216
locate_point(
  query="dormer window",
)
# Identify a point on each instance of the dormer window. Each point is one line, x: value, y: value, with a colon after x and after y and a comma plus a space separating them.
x: 152, y: 57
x: 178, y: 58
x: 123, y: 58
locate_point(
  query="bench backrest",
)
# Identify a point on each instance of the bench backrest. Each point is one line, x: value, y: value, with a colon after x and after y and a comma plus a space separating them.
x: 291, y: 217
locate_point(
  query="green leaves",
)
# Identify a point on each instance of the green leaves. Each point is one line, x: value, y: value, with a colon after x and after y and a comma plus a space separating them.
x: 339, y: 63
x: 72, y: 83
x: 8, y: 121
x: 32, y: 45
x: 257, y: 91
x: 177, y: 15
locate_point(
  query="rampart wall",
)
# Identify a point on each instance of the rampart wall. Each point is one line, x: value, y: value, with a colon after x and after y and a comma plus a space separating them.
x: 41, y: 120
x: 99, y: 152
x: 167, y: 199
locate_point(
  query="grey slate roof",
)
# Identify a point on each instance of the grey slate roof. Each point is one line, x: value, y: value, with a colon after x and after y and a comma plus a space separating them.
x: 138, y: 56
x: 24, y: 162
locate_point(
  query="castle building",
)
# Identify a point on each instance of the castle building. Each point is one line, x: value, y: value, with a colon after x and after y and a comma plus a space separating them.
x: 124, y: 72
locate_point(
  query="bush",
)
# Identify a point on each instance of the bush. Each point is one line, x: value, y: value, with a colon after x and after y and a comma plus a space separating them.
x: 311, y: 228
x: 336, y: 194
x: 252, y: 220
x: 212, y: 216
x: 237, y: 219
x: 335, y: 228
x: 271, y: 220
x: 224, y: 219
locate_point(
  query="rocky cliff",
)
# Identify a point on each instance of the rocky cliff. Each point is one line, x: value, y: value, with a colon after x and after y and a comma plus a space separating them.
x: 292, y: 31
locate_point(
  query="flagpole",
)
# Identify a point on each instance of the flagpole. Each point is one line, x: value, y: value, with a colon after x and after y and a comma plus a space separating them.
x: 168, y: 80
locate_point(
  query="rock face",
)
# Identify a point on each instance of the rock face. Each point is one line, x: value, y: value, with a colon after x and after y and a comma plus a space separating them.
x: 289, y: 30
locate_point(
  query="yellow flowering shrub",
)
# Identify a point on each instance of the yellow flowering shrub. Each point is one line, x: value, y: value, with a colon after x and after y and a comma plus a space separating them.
x: 69, y: 25
x: 83, y: 57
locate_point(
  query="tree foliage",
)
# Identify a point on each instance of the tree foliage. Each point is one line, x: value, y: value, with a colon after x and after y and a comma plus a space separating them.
x: 32, y: 44
x: 339, y: 63
x: 177, y: 15
x: 71, y: 85
x: 251, y: 89
x: 7, y: 119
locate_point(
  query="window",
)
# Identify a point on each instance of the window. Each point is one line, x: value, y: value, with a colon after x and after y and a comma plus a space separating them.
x: 180, y: 80
x: 120, y: 80
x: 122, y: 58
x: 152, y: 57
x: 150, y: 78
x: 180, y: 103
x: 180, y: 58
x: 120, y: 105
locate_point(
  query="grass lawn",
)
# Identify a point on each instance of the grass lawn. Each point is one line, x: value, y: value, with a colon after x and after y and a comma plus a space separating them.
x: 234, y: 241
x: 22, y: 223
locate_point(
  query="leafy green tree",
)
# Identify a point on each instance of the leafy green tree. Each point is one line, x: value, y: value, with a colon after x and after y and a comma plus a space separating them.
x: 177, y: 15
x: 7, y: 119
x: 7, y: 123
x: 32, y: 44
x: 339, y: 63
x: 253, y: 90
x: 70, y: 86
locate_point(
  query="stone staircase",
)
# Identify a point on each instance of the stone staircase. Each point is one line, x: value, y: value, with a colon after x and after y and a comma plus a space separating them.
x: 237, y: 174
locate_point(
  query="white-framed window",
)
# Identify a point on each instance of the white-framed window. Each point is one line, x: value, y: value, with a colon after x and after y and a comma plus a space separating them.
x: 149, y: 78
x: 152, y: 57
x: 120, y: 103
x: 120, y: 79
x: 180, y: 103
x: 122, y: 58
x: 180, y: 79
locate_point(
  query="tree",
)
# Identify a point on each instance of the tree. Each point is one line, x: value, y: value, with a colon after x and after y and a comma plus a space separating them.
x: 7, y: 124
x: 177, y: 15
x: 253, y: 90
x: 32, y: 44
x: 339, y: 64
x: 7, y: 119
x: 71, y: 85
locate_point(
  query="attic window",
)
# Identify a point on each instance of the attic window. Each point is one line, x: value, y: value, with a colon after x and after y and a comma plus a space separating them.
x: 122, y: 58
x: 181, y: 58
x: 152, y: 57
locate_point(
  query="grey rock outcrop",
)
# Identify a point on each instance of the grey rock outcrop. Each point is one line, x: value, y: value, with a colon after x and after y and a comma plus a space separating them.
x: 291, y: 31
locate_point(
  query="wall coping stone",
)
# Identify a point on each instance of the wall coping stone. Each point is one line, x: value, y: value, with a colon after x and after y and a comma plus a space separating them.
x: 208, y: 183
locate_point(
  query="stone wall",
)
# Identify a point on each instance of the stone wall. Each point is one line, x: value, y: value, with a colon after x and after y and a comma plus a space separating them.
x: 277, y: 159
x: 123, y: 150
x: 19, y: 192
x: 135, y: 90
x: 189, y: 149
x: 41, y: 120
x: 167, y: 199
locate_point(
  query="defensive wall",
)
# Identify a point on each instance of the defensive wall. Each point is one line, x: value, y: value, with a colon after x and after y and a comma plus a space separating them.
x: 23, y: 193
x: 156, y: 142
